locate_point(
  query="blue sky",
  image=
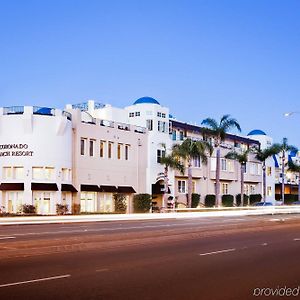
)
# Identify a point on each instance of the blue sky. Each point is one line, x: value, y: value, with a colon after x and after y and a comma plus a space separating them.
x: 200, y: 58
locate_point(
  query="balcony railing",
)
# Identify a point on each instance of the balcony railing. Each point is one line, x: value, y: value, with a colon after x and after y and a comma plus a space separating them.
x: 44, y: 111
x: 139, y: 129
x: 67, y: 114
x: 107, y: 123
x: 13, y: 110
x: 123, y: 126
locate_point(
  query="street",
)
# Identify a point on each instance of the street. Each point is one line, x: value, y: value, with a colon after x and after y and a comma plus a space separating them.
x: 207, y: 258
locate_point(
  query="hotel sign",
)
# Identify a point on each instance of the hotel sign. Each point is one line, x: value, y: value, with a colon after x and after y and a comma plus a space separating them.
x: 15, y: 150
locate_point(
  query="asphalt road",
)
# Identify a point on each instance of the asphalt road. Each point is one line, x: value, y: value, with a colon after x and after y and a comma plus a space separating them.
x: 212, y: 258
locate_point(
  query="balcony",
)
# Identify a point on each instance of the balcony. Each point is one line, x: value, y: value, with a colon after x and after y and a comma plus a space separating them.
x: 44, y: 111
x: 13, y: 110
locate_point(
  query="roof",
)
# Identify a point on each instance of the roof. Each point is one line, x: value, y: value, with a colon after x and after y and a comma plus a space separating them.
x: 195, y: 128
x: 146, y: 100
x: 256, y: 132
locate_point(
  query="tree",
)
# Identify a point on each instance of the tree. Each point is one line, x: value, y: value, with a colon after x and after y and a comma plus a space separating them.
x: 284, y: 149
x: 294, y: 167
x: 262, y: 156
x: 189, y: 150
x: 170, y: 161
x: 218, y: 131
x: 242, y: 158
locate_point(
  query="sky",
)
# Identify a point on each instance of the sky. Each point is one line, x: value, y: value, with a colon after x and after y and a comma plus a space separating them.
x: 200, y: 58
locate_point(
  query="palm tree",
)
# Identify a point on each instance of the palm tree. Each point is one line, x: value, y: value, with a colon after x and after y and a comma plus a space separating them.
x: 242, y: 158
x: 189, y: 150
x: 218, y: 130
x: 262, y: 156
x: 284, y: 148
x: 170, y: 161
x: 294, y: 167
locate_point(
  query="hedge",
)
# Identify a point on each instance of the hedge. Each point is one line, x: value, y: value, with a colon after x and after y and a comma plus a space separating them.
x: 227, y: 200
x: 238, y: 199
x: 142, y: 203
x: 195, y: 200
x: 255, y: 198
x: 210, y: 200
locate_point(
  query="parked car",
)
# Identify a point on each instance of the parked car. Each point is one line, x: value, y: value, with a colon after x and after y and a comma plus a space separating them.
x: 296, y: 203
x: 263, y: 204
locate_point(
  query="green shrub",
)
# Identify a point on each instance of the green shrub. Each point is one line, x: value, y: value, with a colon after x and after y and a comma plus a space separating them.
x: 255, y: 198
x: 227, y: 200
x: 142, y: 203
x: 195, y: 200
x: 290, y: 198
x: 62, y: 209
x: 120, y: 203
x: 238, y: 199
x: 210, y: 200
x: 28, y: 209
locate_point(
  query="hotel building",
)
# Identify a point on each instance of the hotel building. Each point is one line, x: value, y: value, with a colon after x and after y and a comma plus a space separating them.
x: 84, y: 154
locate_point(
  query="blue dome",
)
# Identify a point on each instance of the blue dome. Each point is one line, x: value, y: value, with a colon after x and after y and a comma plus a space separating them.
x: 256, y: 132
x: 147, y: 100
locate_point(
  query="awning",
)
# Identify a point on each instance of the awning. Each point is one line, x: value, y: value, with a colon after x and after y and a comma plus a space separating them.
x: 89, y: 188
x: 126, y: 189
x: 158, y: 189
x: 108, y: 189
x: 44, y: 186
x: 12, y: 186
x: 68, y: 188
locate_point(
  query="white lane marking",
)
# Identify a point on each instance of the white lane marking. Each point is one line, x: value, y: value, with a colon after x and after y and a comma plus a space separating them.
x: 35, y: 280
x: 101, y: 270
x: 7, y: 237
x: 217, y: 252
x: 296, y: 239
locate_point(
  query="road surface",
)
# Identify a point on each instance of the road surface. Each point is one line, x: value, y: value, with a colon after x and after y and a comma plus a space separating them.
x: 207, y: 258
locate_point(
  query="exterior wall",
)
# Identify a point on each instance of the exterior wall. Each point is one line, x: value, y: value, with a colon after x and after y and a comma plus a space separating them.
x: 47, y: 139
x: 96, y: 170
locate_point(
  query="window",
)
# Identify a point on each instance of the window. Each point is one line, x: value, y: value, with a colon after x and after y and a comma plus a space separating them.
x: 181, y: 135
x: 269, y: 171
x: 126, y: 152
x: 254, y: 169
x: 161, y: 126
x: 66, y: 174
x: 230, y: 166
x: 269, y: 191
x: 49, y: 173
x: 252, y: 189
x: 82, y: 146
x: 120, y: 146
x: 149, y: 124
x: 163, y: 115
x: 92, y: 147
x: 160, y: 154
x: 196, y: 162
x: 137, y: 113
x: 18, y: 172
x: 102, y: 147
x: 223, y: 164
x: 159, y: 114
x: 182, y: 186
x: 246, y: 189
x: 194, y: 186
x: 7, y: 173
x: 174, y: 135
x: 37, y: 173
x: 224, y: 188
x: 110, y: 147
x: 131, y: 114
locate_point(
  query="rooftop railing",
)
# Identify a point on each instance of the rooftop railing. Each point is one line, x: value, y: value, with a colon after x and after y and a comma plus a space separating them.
x: 44, y: 111
x: 13, y: 110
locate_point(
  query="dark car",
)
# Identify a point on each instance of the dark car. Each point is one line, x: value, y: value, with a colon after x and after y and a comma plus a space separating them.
x: 263, y: 204
x: 296, y: 203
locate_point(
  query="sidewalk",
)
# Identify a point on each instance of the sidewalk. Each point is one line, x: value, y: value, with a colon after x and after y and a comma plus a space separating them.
x: 209, y: 212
